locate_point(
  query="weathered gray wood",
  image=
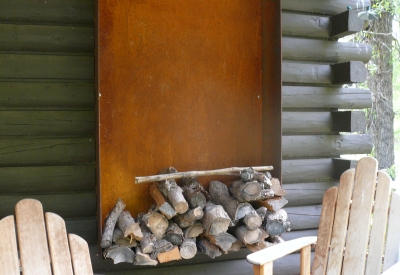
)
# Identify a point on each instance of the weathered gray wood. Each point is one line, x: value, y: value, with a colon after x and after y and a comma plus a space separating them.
x: 323, y: 7
x: 306, y: 25
x: 306, y: 123
x: 325, y: 97
x: 325, y: 145
x: 349, y: 121
x: 46, y: 95
x: 46, y: 38
x: 47, y: 179
x: 109, y: 225
x: 349, y: 72
x: 73, y: 205
x: 304, y: 217
x: 18, y: 66
x: 346, y: 23
x: 55, y: 11
x: 308, y: 193
x: 47, y: 123
x: 340, y: 165
x: 307, y: 170
x: 301, y: 49
x: 32, y: 151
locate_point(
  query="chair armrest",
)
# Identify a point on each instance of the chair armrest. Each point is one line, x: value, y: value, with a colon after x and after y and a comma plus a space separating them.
x: 277, y: 251
x: 393, y: 270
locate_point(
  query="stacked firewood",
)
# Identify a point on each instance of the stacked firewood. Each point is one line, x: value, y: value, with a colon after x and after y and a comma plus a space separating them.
x: 186, y: 219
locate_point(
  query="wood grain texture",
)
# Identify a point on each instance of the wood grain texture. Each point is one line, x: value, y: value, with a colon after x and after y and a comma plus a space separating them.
x: 32, y: 237
x: 58, y: 245
x: 322, y: 7
x: 392, y: 235
x: 305, y: 260
x: 8, y: 247
x: 293, y: 72
x: 80, y: 255
x: 307, y: 170
x: 306, y: 123
x: 306, y: 193
x: 304, y: 217
x: 305, y: 25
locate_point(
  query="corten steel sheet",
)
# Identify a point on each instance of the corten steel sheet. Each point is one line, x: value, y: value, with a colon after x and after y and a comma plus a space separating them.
x: 179, y: 84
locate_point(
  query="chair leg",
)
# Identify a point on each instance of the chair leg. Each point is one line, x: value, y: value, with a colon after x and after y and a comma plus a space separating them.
x: 305, y: 259
x: 265, y: 269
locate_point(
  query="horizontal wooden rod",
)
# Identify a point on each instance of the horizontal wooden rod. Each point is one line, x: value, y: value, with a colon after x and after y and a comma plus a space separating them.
x: 224, y: 171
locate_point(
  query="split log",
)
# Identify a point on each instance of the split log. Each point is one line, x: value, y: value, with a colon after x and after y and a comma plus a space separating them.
x: 143, y: 258
x: 160, y: 246
x: 236, y: 246
x: 224, y: 240
x: 188, y: 249
x: 109, y: 224
x: 208, y: 248
x: 193, y: 231
x: 119, y: 254
x: 252, y: 220
x: 276, y: 222
x: 277, y: 187
x: 174, y: 195
x: 215, y: 219
x: 162, y: 205
x: 157, y: 224
x: 174, y: 234
x: 220, y: 195
x: 194, y: 193
x: 189, y: 218
x: 273, y: 204
x: 170, y: 255
x: 147, y: 242
x: 120, y: 239
x: 246, y: 235
x: 245, y: 191
x: 128, y: 225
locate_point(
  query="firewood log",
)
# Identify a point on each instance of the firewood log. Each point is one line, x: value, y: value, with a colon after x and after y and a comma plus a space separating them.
x: 160, y: 246
x: 194, y: 193
x: 189, y: 218
x: 246, y: 235
x: 143, y: 259
x: 224, y: 240
x: 119, y: 238
x: 262, y: 212
x: 174, y: 234
x: 188, y: 249
x: 119, y: 254
x: 208, y: 248
x: 252, y: 220
x: 273, y: 204
x: 174, y: 195
x: 170, y: 255
x: 157, y: 224
x: 162, y: 205
x: 215, y: 219
x: 220, y: 195
x: 277, y: 187
x: 193, y: 231
x: 236, y: 246
x: 245, y: 191
x: 259, y: 246
x: 128, y: 225
x: 275, y: 239
x: 109, y: 224
x: 276, y: 222
x: 147, y: 242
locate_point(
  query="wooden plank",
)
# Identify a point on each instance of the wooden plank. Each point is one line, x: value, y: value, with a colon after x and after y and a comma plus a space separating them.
x: 325, y: 145
x: 18, y: 66
x: 58, y: 245
x: 346, y: 23
x: 304, y: 217
x: 392, y: 236
x: 301, y: 49
x: 80, y: 255
x: 360, y: 215
x: 308, y: 193
x: 305, y: 25
x: 84, y: 227
x: 349, y: 72
x: 47, y: 123
x: 33, y: 151
x: 72, y: 205
x: 307, y: 170
x: 8, y: 247
x: 306, y: 122
x: 305, y: 260
x: 323, y: 7
x: 379, y: 224
x: 32, y: 238
x: 46, y: 95
x: 349, y: 121
x: 294, y: 97
x: 340, y: 223
x: 41, y: 12
x: 44, y: 38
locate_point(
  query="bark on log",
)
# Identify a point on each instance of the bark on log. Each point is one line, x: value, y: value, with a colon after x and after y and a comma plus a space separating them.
x: 189, y: 218
x: 174, y: 195
x: 160, y: 246
x: 147, y: 242
x: 220, y: 195
x: 188, y: 249
x: 193, y: 231
x: 246, y: 235
x: 277, y: 187
x: 170, y: 255
x: 252, y: 220
x: 259, y: 246
x: 157, y: 224
x: 273, y: 204
x: 224, y: 240
x: 245, y: 191
x: 128, y: 225
x: 208, y: 248
x: 236, y: 246
x: 119, y: 254
x: 174, y: 234
x: 162, y: 205
x: 215, y: 219
x: 109, y: 225
x: 276, y: 222
x: 120, y: 239
x: 262, y: 212
x: 194, y: 193
x: 143, y: 259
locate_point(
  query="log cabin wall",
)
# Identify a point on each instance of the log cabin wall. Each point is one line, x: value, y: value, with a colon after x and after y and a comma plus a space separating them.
x: 48, y: 120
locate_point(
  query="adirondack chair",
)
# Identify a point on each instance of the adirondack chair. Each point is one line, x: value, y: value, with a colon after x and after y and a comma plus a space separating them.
x: 68, y: 254
x: 350, y: 240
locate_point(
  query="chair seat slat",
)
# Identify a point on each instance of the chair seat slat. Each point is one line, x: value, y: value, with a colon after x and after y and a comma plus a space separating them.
x: 8, y: 247
x: 80, y: 255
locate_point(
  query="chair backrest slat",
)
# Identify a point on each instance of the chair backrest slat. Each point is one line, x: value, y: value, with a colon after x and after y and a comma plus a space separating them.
x: 8, y: 247
x: 58, y: 244
x: 393, y: 236
x: 80, y: 255
x: 378, y: 229
x: 32, y: 239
